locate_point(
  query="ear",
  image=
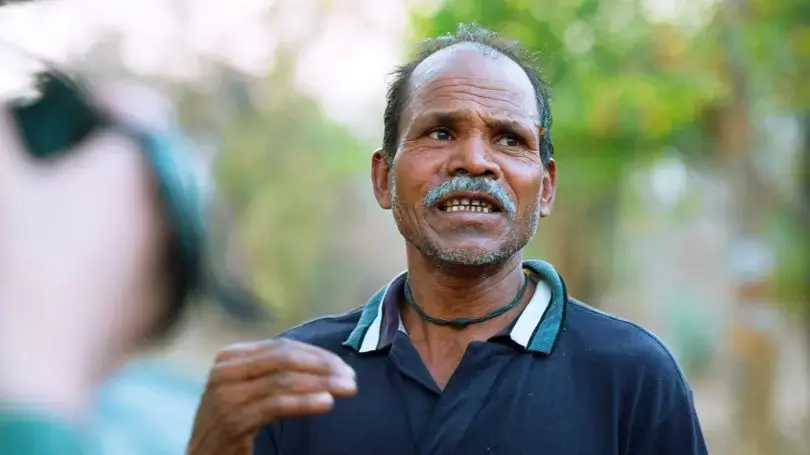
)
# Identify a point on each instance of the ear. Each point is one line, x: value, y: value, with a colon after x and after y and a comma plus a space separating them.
x: 381, y: 179
x: 549, y: 188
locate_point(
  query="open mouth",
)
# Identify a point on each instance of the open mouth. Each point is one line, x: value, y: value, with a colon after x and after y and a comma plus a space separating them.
x: 475, y: 204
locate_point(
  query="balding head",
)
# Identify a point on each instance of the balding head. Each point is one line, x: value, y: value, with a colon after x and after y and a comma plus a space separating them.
x: 470, y: 71
x: 468, y: 43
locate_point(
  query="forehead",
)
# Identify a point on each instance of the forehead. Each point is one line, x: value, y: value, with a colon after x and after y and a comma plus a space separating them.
x: 470, y: 79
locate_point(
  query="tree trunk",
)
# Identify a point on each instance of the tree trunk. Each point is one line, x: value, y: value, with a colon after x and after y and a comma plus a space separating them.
x: 805, y: 219
x: 752, y: 340
x: 581, y: 242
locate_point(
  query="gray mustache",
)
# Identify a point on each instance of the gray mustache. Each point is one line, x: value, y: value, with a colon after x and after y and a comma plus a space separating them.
x: 464, y: 183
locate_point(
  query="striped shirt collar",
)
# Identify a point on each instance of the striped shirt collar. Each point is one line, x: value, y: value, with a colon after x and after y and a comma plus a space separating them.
x: 536, y: 328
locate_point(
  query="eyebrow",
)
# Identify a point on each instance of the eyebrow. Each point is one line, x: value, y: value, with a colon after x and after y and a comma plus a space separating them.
x: 454, y: 118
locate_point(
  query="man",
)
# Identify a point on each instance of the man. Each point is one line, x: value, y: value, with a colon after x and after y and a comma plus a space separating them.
x: 473, y: 350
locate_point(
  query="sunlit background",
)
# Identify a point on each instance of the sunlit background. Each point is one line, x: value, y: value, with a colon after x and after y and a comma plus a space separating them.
x: 682, y: 132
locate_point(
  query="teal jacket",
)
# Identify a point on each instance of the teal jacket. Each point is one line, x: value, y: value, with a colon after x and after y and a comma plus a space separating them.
x: 24, y: 432
x: 147, y: 409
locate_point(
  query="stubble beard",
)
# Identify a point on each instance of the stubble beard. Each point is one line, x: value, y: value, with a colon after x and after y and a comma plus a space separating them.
x: 451, y: 258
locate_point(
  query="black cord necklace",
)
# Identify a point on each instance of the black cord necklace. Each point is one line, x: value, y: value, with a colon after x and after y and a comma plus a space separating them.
x: 461, y: 323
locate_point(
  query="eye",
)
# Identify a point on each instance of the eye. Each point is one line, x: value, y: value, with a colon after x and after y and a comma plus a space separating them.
x: 441, y: 134
x: 509, y: 140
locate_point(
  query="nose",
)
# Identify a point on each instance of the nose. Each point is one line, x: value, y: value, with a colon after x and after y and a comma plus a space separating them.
x: 471, y: 156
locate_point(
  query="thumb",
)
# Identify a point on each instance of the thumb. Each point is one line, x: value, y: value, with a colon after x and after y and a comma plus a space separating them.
x: 13, y: 154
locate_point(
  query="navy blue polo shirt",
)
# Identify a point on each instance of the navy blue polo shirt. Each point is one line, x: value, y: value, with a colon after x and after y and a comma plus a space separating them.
x: 562, y: 379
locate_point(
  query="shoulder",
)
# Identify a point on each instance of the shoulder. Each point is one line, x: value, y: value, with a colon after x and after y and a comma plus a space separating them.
x: 628, y: 360
x: 619, y: 346
x: 328, y: 332
x: 656, y: 406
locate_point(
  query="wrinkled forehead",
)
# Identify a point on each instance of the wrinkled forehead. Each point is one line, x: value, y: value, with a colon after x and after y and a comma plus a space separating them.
x: 476, y: 76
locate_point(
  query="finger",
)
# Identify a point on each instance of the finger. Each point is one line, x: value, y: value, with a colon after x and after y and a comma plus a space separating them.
x: 280, y: 355
x: 12, y: 151
x: 287, y: 383
x: 251, y: 418
x: 246, y: 348
x: 284, y: 406
x: 338, y: 365
x: 272, y: 362
x: 279, y: 407
x: 291, y: 383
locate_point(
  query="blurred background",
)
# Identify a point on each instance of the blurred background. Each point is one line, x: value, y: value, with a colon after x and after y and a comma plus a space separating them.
x: 682, y: 133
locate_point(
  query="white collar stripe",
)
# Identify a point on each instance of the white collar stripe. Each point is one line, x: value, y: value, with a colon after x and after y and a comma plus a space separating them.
x: 529, y: 319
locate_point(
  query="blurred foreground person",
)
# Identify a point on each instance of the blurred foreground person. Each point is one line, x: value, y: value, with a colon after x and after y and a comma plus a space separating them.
x: 99, y: 252
x: 80, y: 281
x: 474, y: 349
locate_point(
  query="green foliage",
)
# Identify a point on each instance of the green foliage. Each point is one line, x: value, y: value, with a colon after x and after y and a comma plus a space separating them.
x: 279, y: 168
x: 619, y: 80
x: 793, y: 265
x: 626, y: 88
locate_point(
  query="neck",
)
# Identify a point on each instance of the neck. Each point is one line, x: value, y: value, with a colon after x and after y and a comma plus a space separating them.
x: 462, y: 292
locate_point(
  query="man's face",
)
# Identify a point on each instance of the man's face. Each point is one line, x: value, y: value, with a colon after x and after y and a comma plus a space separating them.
x: 467, y: 185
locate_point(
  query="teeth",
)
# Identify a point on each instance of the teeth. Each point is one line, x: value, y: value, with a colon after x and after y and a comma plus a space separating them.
x: 467, y: 205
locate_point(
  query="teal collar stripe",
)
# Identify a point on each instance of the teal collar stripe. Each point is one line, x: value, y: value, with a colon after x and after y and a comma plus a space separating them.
x: 370, y: 322
x: 536, y: 328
